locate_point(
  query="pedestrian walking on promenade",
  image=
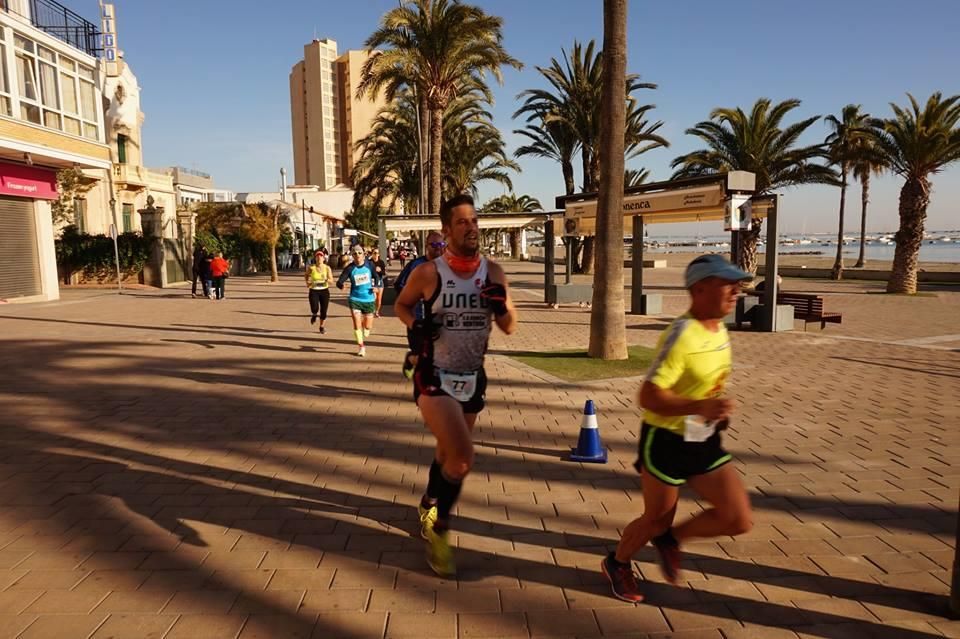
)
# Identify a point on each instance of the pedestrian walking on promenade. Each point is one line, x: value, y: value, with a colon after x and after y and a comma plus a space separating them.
x: 201, y: 266
x: 219, y: 270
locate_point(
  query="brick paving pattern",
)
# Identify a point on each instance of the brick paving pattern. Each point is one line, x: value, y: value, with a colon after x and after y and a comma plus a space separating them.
x: 184, y: 468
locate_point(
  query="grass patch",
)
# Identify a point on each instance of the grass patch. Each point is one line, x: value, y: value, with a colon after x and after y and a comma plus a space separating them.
x: 575, y: 366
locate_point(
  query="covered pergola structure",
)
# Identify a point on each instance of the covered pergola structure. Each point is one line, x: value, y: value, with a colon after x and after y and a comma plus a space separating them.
x: 728, y: 197
x: 411, y: 223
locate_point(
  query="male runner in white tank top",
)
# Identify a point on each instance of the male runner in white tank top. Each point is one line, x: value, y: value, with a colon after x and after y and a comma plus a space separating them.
x: 462, y: 292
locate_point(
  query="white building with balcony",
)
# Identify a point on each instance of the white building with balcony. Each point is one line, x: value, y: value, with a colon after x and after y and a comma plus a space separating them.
x: 50, y: 119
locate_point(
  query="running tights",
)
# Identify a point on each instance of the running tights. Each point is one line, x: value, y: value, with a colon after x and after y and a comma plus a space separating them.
x: 320, y: 302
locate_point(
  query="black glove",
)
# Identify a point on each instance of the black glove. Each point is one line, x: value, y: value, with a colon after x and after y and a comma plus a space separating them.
x: 425, y: 331
x: 496, y: 296
x: 428, y: 328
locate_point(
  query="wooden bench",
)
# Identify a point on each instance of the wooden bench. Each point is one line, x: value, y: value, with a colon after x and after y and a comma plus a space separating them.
x: 807, y: 307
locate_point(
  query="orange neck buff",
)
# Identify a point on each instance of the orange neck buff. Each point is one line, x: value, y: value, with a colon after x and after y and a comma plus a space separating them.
x: 462, y: 265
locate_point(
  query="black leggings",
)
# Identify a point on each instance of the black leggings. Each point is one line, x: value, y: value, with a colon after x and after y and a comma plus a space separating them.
x: 320, y: 301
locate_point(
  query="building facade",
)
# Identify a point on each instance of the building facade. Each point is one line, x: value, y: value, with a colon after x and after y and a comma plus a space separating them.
x: 50, y: 119
x: 310, y: 229
x: 193, y: 187
x: 117, y: 196
x: 327, y: 118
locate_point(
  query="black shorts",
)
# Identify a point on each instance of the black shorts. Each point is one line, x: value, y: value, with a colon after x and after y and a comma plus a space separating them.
x: 671, y: 460
x: 426, y: 381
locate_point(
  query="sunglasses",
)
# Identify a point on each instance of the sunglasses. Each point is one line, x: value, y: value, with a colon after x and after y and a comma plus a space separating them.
x: 437, y: 245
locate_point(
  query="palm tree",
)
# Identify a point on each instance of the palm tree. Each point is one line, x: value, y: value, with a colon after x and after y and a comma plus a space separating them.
x: 864, y: 166
x: 635, y: 177
x: 387, y: 171
x: 916, y: 143
x: 476, y: 154
x: 844, y: 144
x: 434, y: 46
x: 512, y: 203
x: 608, y: 334
x: 755, y: 142
x: 553, y: 140
x: 574, y: 102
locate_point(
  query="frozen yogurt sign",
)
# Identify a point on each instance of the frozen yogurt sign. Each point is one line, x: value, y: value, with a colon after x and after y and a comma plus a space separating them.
x: 27, y: 181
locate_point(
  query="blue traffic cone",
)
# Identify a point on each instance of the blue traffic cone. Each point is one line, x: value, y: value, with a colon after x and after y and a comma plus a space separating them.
x: 589, y: 447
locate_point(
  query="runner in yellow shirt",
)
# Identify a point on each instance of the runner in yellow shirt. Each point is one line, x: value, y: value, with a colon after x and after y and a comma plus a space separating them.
x: 686, y: 409
x: 318, y: 277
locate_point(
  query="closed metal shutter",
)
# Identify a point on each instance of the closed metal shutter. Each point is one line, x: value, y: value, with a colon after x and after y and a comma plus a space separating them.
x: 19, y: 255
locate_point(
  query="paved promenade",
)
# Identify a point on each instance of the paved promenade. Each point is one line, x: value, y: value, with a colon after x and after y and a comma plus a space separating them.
x: 179, y: 468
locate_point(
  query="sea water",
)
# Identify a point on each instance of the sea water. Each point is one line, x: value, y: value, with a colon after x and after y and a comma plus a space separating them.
x: 930, y: 251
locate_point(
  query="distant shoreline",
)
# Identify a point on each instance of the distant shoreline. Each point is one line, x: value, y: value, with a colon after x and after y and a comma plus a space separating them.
x: 824, y: 261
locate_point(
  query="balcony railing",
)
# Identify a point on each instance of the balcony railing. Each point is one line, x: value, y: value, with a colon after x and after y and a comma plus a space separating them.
x: 194, y: 172
x: 58, y: 21
x: 135, y: 178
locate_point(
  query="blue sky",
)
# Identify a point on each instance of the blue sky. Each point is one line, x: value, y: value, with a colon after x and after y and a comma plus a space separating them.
x: 214, y: 77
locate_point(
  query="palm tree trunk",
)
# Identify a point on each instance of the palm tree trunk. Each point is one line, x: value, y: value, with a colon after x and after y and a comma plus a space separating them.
x: 747, y: 247
x: 864, y: 199
x: 436, y: 149
x: 274, y: 239
x: 274, y: 276
x: 585, y: 166
x: 837, y: 272
x: 589, y: 255
x: 914, y: 198
x: 608, y: 336
x: 594, y: 172
x: 569, y: 185
x: 425, y: 148
x: 515, y: 244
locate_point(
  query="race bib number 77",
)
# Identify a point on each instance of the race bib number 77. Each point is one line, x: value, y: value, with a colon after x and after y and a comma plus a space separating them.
x: 460, y: 386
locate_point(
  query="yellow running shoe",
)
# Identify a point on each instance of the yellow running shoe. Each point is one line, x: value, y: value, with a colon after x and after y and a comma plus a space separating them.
x: 439, y: 553
x: 428, y: 517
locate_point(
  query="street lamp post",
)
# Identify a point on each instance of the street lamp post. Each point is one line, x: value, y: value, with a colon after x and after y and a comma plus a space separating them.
x: 303, y: 220
x: 114, y: 231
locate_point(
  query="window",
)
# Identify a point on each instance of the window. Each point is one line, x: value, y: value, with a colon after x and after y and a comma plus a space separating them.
x: 127, y: 217
x: 80, y: 214
x: 27, y: 83
x: 4, y: 83
x: 55, y: 91
x: 122, y: 148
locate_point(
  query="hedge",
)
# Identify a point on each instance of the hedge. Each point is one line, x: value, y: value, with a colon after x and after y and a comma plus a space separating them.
x: 93, y: 254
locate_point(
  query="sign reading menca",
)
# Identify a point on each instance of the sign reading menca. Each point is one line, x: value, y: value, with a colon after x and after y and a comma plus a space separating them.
x: 707, y: 197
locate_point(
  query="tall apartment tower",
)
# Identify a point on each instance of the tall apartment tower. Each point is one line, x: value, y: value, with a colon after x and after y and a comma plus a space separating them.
x: 327, y: 117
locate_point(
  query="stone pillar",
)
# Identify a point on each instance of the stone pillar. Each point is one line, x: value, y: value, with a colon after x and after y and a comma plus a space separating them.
x: 151, y: 221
